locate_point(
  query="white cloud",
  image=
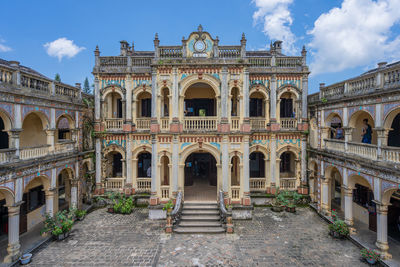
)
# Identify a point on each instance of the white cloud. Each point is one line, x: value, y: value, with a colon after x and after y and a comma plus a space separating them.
x: 277, y: 19
x: 3, y: 47
x: 62, y: 47
x: 356, y: 34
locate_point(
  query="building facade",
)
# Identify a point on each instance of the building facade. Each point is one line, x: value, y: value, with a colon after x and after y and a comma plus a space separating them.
x: 43, y: 160
x: 199, y: 117
x: 354, y: 155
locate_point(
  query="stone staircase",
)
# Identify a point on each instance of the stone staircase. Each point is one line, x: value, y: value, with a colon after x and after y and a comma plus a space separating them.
x: 200, y: 218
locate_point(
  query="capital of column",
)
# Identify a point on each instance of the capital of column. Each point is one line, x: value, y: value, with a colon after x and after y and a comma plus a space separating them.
x: 381, y: 208
x: 382, y: 132
x: 348, y: 130
x: 347, y: 191
x: 50, y: 131
x: 13, y: 210
x: 15, y: 133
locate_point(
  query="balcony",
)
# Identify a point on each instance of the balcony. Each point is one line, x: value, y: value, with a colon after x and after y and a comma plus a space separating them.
x: 363, y: 150
x: 288, y: 183
x: 114, y: 124
x: 257, y: 184
x: 235, y: 124
x: 6, y: 155
x: 164, y: 124
x: 288, y: 124
x: 165, y: 192
x: 114, y: 184
x: 34, y: 152
x: 258, y: 124
x: 143, y: 123
x: 235, y: 190
x: 200, y: 124
x: 63, y: 147
x: 143, y: 185
x: 336, y: 145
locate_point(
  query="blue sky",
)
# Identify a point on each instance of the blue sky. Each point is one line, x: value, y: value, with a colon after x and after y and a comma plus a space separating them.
x: 343, y: 37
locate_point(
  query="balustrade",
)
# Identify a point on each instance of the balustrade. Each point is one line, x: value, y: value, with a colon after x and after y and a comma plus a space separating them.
x: 35, y: 84
x: 363, y: 150
x: 235, y: 189
x: 229, y: 51
x: 257, y: 184
x: 258, y: 123
x: 6, y: 155
x: 34, y: 152
x: 362, y: 85
x: 287, y: 183
x: 63, y: 147
x: 391, y: 154
x: 336, y: 145
x: 333, y: 91
x: 313, y: 98
x: 141, y: 62
x: 143, y: 185
x: 392, y: 78
x: 165, y: 124
x: 143, y: 123
x: 288, y: 62
x: 170, y: 52
x: 114, y: 183
x: 260, y: 61
x: 66, y: 90
x: 113, y: 61
x: 114, y: 124
x: 6, y: 76
x: 165, y: 191
x: 200, y: 124
x: 235, y: 126
x: 288, y: 123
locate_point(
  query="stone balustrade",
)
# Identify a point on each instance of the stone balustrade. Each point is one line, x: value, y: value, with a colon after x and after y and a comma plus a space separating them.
x: 288, y: 124
x: 257, y: 184
x: 34, y: 152
x: 114, y: 183
x: 170, y: 51
x: 288, y: 62
x: 164, y: 124
x: 114, y: 124
x: 143, y: 123
x: 6, y: 155
x: 391, y: 154
x: 113, y: 61
x: 287, y: 183
x: 165, y: 191
x: 143, y: 185
x: 260, y: 61
x: 64, y: 147
x: 363, y: 150
x: 33, y: 83
x: 235, y: 191
x: 334, y: 91
x: 258, y: 123
x: 335, y: 145
x: 362, y: 85
x: 200, y: 124
x: 65, y: 90
x: 141, y: 61
x: 392, y: 77
x: 6, y: 76
x: 235, y: 124
x: 229, y: 51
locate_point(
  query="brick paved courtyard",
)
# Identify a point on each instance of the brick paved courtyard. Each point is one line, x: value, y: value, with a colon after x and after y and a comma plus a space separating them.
x: 270, y: 239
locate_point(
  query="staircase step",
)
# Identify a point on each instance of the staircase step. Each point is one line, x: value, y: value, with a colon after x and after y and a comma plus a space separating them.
x: 200, y: 218
x: 200, y: 212
x: 200, y: 207
x: 199, y: 230
x: 200, y: 202
x: 200, y: 224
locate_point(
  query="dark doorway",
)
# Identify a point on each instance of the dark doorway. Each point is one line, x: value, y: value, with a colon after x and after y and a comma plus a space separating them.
x: 200, y: 166
x: 146, y: 107
x: 199, y: 107
x: 394, y: 217
x: 144, y: 163
x: 257, y: 165
x: 3, y: 135
x: 287, y: 108
x: 394, y: 135
x: 119, y: 108
x: 117, y: 165
x: 3, y: 218
x: 256, y: 107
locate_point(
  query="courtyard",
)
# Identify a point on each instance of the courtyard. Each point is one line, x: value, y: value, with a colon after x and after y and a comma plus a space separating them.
x: 269, y: 239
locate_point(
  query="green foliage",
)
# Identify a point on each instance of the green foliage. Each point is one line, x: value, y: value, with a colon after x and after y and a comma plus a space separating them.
x: 80, y: 213
x: 86, y: 86
x: 57, y: 78
x: 240, y: 60
x: 160, y: 62
x: 339, y: 227
x: 60, y: 223
x: 324, y: 100
x: 370, y: 254
x: 168, y: 205
x: 123, y: 204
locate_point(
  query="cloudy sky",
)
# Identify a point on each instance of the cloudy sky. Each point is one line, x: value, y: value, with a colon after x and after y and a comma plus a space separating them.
x: 344, y: 37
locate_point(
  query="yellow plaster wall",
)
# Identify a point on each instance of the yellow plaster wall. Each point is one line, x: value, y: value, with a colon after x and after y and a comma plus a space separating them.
x: 36, y: 216
x: 360, y: 213
x: 32, y: 133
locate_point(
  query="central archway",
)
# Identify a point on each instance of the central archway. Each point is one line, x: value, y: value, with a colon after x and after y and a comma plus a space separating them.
x: 200, y: 172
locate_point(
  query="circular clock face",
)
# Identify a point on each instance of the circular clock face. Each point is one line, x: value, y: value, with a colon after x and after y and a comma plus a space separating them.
x: 199, y: 46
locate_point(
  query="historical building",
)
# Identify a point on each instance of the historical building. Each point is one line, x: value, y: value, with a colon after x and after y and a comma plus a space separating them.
x: 200, y: 117
x: 354, y: 155
x: 42, y: 158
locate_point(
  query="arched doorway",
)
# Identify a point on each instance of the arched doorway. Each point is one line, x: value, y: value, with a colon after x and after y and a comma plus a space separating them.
x: 33, y: 131
x: 200, y: 177
x: 113, y: 106
x: 200, y: 101
x: 64, y: 189
x: 4, y: 142
x: 114, y: 165
x: 394, y: 134
x: 358, y: 122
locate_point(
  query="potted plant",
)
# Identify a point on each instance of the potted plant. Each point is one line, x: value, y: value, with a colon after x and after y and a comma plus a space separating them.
x: 279, y: 203
x: 370, y: 256
x: 168, y: 206
x: 291, y: 207
x: 338, y: 229
x: 80, y: 214
x: 59, y: 225
x: 122, y: 204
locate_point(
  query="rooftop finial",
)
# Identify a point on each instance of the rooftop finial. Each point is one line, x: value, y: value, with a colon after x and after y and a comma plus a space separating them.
x: 200, y: 28
x: 97, y: 51
x: 156, y: 36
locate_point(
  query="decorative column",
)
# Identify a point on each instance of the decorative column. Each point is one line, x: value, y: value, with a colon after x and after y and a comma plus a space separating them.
x: 382, y: 141
x: 50, y: 201
x: 50, y: 139
x: 13, y: 234
x: 14, y: 138
x: 325, y: 196
x: 273, y: 98
x: 224, y: 125
x: 272, y: 163
x: 154, y: 180
x: 304, y: 164
x: 246, y: 171
x: 154, y: 128
x: 175, y: 163
x: 348, y: 205
x: 347, y: 136
x: 98, y: 165
x: 225, y: 165
x: 381, y: 231
x: 304, y: 94
x: 246, y: 102
x: 129, y: 179
x: 128, y: 97
x: 96, y: 99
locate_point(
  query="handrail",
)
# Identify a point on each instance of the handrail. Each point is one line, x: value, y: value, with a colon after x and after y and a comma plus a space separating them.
x: 222, y: 209
x: 176, y: 212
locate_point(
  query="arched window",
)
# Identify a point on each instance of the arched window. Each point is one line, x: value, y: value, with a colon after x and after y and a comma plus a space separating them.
x: 287, y: 105
x: 394, y: 135
x: 144, y: 165
x: 64, y: 132
x: 144, y: 105
x: 257, y: 105
x: 200, y: 100
x: 235, y: 102
x: 287, y: 165
x: 235, y: 171
x: 257, y: 165
x: 3, y: 135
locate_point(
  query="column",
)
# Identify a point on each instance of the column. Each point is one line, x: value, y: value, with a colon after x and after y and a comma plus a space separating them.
x: 13, y: 234
x: 382, y: 140
x: 273, y: 98
x: 175, y: 94
x: 14, y: 137
x: 154, y: 174
x: 348, y: 205
x: 225, y: 164
x: 272, y: 161
x: 246, y: 171
x: 128, y: 97
x: 347, y: 136
x: 246, y: 100
x: 96, y: 99
x: 74, y: 193
x: 325, y: 196
x: 50, y: 139
x: 224, y: 93
x: 98, y: 163
x: 175, y: 163
x: 303, y: 161
x: 50, y: 201
x: 381, y: 231
x: 129, y: 178
x: 154, y: 93
x: 304, y: 95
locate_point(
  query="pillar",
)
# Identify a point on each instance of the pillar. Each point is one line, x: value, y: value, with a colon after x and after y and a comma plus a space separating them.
x: 225, y: 164
x: 304, y: 95
x: 347, y: 136
x: 175, y: 163
x: 273, y: 98
x: 246, y: 171
x: 128, y: 97
x: 303, y: 161
x: 74, y: 193
x: 50, y: 139
x: 381, y: 231
x: 154, y: 93
x: 154, y: 174
x: 246, y: 100
x: 15, y: 142
x: 348, y: 205
x: 96, y: 99
x: 382, y: 140
x: 13, y: 234
x: 325, y: 196
x: 98, y: 163
x: 50, y: 201
x: 224, y: 93
x: 175, y: 94
x: 272, y: 161
x: 129, y: 178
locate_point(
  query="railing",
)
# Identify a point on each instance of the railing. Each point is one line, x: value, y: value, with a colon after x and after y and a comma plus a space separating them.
x: 165, y: 191
x: 177, y: 211
x: 113, y: 61
x: 200, y: 124
x: 362, y: 85
x: 114, y: 124
x: 235, y: 124
x: 143, y: 185
x: 334, y: 144
x: 391, y: 154
x: 235, y: 189
x: 363, y: 150
x: 258, y: 123
x: 333, y: 91
x: 288, y: 62
x: 66, y: 146
x: 35, y: 84
x: 260, y: 62
x: 143, y: 124
x: 287, y: 183
x: 34, y: 152
x: 288, y: 123
x: 257, y: 184
x: 313, y: 98
x: 170, y: 52
x: 141, y: 61
x: 7, y: 154
x: 229, y: 51
x: 66, y: 91
x: 114, y: 183
x: 165, y: 124
x: 5, y: 76
x: 391, y: 78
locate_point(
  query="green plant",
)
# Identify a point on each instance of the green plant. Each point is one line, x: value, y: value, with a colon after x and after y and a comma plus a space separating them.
x: 370, y: 254
x: 80, y: 213
x: 339, y: 227
x: 324, y: 100
x: 240, y: 60
x: 59, y: 223
x: 334, y: 215
x: 168, y: 205
x: 306, y: 132
x: 160, y: 62
x: 122, y: 204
